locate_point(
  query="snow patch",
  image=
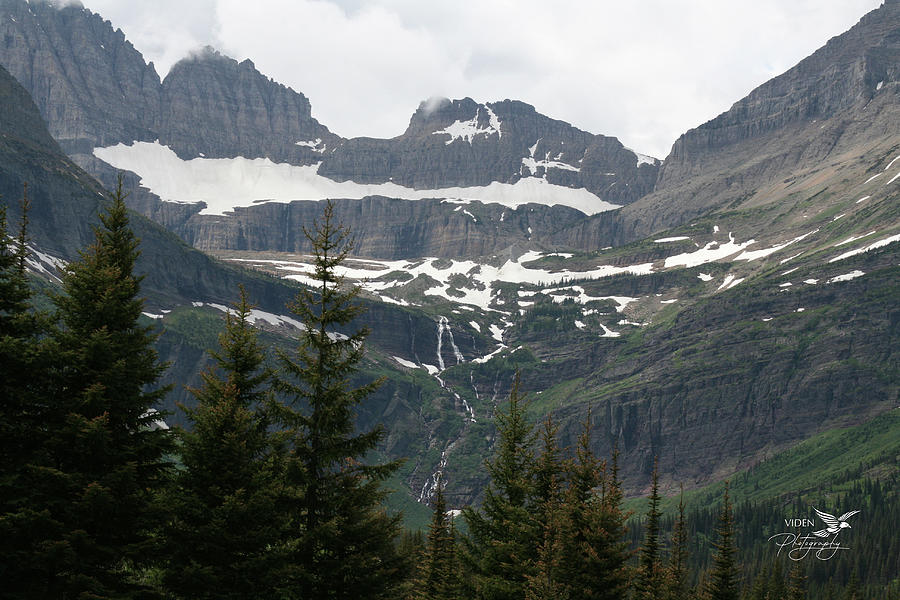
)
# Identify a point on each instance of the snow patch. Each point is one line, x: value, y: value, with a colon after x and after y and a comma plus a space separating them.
x: 310, y: 143
x: 710, y: 252
x: 467, y: 130
x: 224, y: 184
x: 871, y: 178
x: 672, y: 239
x: 406, y: 363
x: 488, y: 357
x: 609, y: 333
x: 704, y: 277
x: 878, y: 244
x: 846, y: 276
x: 757, y: 254
x: 854, y: 238
x: 643, y: 159
x: 729, y: 283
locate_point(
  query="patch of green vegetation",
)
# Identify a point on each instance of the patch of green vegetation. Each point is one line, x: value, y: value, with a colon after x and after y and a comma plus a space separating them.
x: 834, y: 460
x: 199, y: 327
x: 538, y: 406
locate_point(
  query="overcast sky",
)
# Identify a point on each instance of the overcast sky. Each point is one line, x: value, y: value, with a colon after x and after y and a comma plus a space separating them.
x: 644, y: 71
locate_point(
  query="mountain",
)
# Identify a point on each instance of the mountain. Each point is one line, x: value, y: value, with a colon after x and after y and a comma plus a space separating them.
x: 836, y: 108
x: 100, y: 98
x: 742, y: 299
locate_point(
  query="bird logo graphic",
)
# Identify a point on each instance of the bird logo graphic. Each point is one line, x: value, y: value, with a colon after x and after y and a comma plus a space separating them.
x: 833, y: 524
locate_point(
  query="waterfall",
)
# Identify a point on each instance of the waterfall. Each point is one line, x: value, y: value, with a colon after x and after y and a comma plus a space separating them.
x: 444, y: 325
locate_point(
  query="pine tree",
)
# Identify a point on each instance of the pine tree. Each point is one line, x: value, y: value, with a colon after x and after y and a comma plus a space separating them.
x: 723, y: 580
x: 345, y: 545
x: 17, y: 329
x: 223, y: 531
x: 545, y: 583
x: 677, y: 575
x: 439, y: 576
x: 548, y: 475
x: 500, y: 548
x: 27, y: 560
x: 851, y: 590
x: 650, y: 574
x: 107, y: 455
x: 595, y: 553
x: 797, y: 582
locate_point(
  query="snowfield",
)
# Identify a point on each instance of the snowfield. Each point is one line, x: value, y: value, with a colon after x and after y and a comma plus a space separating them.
x: 224, y: 184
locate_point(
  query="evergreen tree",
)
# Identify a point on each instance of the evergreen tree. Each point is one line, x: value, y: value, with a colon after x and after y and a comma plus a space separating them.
x: 222, y: 535
x: 345, y: 542
x: 677, y: 577
x: 777, y: 587
x: 17, y: 330
x: 500, y: 549
x: 851, y: 590
x: 106, y: 453
x: 797, y: 582
x: 439, y: 577
x: 548, y: 475
x: 27, y: 560
x: 650, y: 574
x: 595, y: 554
x: 723, y: 579
x: 546, y: 581
x: 760, y: 588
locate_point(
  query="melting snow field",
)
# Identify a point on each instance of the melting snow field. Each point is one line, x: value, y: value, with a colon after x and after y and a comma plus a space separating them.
x: 846, y: 276
x: 467, y: 130
x: 481, y: 278
x: 710, y: 252
x: 228, y: 183
x: 878, y: 244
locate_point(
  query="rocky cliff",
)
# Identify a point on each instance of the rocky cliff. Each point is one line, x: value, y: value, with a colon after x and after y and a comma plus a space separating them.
x: 465, y: 143
x: 89, y: 83
x: 214, y: 106
x: 384, y: 228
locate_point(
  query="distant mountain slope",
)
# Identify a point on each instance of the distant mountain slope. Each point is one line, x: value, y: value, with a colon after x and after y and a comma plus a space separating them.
x: 840, y: 106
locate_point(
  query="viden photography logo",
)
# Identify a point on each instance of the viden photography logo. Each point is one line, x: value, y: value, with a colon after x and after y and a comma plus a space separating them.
x: 822, y: 544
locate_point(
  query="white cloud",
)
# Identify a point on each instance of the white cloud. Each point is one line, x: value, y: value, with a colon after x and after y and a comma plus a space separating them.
x: 644, y: 72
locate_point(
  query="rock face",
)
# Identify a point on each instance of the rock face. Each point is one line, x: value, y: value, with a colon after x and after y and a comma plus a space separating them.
x: 847, y: 72
x: 384, y: 228
x: 216, y: 107
x: 89, y: 83
x: 464, y: 143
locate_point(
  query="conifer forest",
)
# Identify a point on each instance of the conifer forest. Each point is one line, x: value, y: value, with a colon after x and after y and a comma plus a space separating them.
x: 272, y: 492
